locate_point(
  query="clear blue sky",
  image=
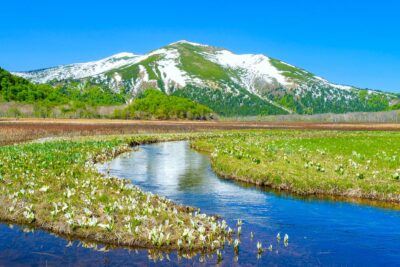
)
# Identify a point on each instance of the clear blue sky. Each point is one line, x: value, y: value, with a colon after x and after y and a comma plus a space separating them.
x: 349, y: 42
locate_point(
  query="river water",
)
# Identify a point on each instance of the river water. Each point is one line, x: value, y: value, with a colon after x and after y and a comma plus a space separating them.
x: 321, y: 232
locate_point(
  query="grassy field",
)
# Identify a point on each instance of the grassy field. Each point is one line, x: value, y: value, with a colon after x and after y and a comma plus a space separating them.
x: 54, y: 186
x: 351, y: 164
x: 15, y: 131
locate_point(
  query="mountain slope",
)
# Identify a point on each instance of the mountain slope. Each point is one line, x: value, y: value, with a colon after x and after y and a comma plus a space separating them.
x: 228, y: 83
x: 18, y: 89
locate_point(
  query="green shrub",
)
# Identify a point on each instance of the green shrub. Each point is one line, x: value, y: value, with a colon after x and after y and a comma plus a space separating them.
x: 153, y: 104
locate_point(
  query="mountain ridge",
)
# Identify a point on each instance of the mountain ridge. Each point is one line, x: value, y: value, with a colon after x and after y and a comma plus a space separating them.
x: 229, y: 83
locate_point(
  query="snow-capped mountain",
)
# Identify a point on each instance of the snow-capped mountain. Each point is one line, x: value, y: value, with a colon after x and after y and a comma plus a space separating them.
x: 231, y: 84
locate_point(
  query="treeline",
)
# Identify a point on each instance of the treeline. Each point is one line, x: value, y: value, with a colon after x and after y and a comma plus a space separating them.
x: 351, y: 117
x: 229, y: 103
x: 72, y: 111
x: 14, y: 88
x: 154, y: 104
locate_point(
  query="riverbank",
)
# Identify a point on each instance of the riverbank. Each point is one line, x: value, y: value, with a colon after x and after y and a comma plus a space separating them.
x: 349, y: 164
x: 54, y: 186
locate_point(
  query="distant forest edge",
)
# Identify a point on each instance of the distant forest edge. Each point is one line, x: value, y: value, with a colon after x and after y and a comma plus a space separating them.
x: 22, y: 98
x: 392, y: 116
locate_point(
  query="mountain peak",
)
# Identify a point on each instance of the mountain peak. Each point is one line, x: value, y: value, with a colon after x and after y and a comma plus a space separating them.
x: 188, y: 42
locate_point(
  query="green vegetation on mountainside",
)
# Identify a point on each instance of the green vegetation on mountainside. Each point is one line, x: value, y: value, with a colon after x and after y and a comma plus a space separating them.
x: 291, y: 71
x: 318, y: 100
x: 230, y: 103
x: 394, y: 107
x: 194, y: 63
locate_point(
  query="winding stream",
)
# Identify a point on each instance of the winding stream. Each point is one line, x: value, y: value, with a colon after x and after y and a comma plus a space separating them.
x: 321, y: 232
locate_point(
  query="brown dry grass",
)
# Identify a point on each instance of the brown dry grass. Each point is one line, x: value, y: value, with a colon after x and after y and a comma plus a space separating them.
x: 14, y: 131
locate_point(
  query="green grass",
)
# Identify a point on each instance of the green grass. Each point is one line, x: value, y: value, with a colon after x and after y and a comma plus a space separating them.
x: 394, y: 107
x: 290, y: 71
x: 149, y: 65
x: 55, y: 186
x: 132, y: 72
x: 194, y: 63
x: 126, y: 73
x: 352, y: 164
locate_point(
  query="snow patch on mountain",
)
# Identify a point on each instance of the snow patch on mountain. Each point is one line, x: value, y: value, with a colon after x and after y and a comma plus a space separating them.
x: 171, y: 75
x: 341, y: 87
x: 80, y: 70
x: 122, y: 55
x: 117, y: 78
x: 337, y: 86
x: 187, y: 42
x: 253, y: 66
x: 140, y: 80
x: 143, y: 75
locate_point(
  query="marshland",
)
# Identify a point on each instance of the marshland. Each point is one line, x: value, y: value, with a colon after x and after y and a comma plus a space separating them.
x: 209, y: 196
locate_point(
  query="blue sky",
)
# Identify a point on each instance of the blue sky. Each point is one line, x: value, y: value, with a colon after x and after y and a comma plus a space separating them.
x: 348, y: 42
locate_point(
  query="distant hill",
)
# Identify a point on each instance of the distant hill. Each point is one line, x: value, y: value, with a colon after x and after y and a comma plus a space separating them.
x: 228, y: 83
x: 153, y: 104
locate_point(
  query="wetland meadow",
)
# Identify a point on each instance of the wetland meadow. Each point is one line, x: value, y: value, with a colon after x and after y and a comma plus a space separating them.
x: 209, y: 197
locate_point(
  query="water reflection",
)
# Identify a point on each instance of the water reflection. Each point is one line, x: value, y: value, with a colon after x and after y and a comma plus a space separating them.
x: 172, y: 169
